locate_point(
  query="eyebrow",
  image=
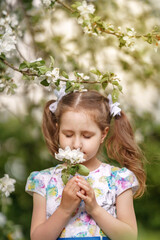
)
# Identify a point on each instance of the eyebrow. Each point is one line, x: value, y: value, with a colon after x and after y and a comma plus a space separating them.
x: 84, y: 132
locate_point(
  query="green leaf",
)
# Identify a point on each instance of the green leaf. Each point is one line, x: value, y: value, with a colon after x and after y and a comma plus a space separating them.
x: 37, y: 64
x: 44, y: 83
x: 57, y: 82
x: 52, y: 61
x: 104, y: 85
x: 23, y: 65
x: 75, y: 14
x: 114, y: 82
x: 129, y: 29
x: 96, y: 71
x: 64, y: 74
x: 97, y: 18
x: 13, y: 85
x: 73, y: 169
x: 68, y: 86
x: 2, y: 56
x: 65, y: 178
x: 115, y: 94
x: 78, y: 4
x: 120, y: 88
x: 82, y: 170
x: 122, y: 42
x: 42, y: 69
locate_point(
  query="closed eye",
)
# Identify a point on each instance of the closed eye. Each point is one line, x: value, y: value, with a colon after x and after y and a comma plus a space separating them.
x: 68, y: 136
x: 87, y: 137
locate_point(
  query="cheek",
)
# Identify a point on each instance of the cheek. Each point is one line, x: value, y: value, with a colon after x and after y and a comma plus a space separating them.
x: 93, y: 145
x: 64, y: 142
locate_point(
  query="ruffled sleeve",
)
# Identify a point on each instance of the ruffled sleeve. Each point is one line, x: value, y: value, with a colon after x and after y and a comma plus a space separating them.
x: 36, y: 182
x: 125, y: 179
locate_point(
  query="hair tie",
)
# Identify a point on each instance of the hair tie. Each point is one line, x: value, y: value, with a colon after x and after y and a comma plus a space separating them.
x: 114, y: 109
x: 59, y: 94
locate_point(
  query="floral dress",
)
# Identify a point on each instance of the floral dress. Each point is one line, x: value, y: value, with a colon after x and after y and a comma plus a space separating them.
x: 107, y: 181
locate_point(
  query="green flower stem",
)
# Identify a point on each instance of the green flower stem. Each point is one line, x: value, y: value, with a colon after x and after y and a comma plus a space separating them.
x: 3, y: 204
x: 72, y: 169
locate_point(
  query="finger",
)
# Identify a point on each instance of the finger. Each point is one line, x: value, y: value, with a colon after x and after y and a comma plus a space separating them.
x: 82, y: 191
x: 72, y: 185
x: 81, y: 180
x: 84, y: 187
x: 82, y: 196
x: 76, y: 189
x: 84, y: 182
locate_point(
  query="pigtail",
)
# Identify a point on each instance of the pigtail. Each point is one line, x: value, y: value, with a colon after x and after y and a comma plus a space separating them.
x: 122, y: 147
x: 49, y: 129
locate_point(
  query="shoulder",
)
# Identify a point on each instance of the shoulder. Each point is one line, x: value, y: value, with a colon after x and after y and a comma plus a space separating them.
x: 38, y: 181
x: 121, y: 179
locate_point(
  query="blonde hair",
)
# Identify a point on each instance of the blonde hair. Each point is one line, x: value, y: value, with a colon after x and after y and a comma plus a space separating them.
x: 120, y: 143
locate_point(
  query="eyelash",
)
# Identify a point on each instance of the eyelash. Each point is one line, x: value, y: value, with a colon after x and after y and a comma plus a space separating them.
x: 69, y: 136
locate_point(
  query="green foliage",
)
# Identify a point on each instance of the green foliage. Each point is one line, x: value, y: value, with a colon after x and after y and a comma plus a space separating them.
x: 22, y: 148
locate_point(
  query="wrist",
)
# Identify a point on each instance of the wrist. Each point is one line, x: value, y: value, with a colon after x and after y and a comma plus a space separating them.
x: 66, y: 211
x: 95, y: 211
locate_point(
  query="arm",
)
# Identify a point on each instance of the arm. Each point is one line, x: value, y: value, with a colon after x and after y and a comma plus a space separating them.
x: 123, y: 227
x: 50, y: 229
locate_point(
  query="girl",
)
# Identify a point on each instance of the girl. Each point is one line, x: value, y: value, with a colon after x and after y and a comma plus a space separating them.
x: 100, y: 204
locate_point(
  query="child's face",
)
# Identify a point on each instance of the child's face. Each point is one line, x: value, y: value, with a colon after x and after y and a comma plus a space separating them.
x: 78, y: 130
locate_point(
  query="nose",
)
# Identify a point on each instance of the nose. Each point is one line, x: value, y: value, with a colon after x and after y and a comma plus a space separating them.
x: 77, y: 143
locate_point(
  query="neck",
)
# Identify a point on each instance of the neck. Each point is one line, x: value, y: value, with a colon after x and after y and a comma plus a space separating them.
x: 92, y: 164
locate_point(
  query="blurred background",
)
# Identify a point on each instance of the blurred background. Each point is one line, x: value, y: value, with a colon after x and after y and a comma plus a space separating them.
x: 55, y: 32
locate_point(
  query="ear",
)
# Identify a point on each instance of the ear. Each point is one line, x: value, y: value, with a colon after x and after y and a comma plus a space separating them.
x: 104, y: 134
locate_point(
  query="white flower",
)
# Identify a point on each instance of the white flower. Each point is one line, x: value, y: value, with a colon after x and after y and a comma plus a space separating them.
x: 2, y: 21
x: 4, y: 12
x: 127, y: 39
x: 80, y: 20
x: 131, y: 32
x: 13, y: 20
x: 3, y: 220
x: 74, y: 156
x: 156, y: 49
x: 17, y: 234
x: 82, y: 76
x: 7, y: 185
x: 7, y: 42
x: 37, y: 60
x: 81, y: 89
x: 62, y: 83
x: 85, y: 9
x: 53, y: 76
x: 46, y: 2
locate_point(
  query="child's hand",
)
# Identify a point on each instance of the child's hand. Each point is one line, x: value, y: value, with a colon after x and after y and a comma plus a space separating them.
x: 88, y: 196
x: 70, y: 201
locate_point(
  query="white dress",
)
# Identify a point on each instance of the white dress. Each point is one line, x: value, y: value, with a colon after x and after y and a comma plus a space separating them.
x: 107, y: 181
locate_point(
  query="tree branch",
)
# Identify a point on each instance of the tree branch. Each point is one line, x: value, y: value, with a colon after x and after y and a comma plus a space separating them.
x: 20, y: 53
x: 27, y: 72
x: 106, y: 31
x: 24, y: 72
x: 65, y: 5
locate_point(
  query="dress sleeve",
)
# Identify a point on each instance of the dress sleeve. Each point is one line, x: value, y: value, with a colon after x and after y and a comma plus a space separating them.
x: 125, y: 179
x: 36, y: 183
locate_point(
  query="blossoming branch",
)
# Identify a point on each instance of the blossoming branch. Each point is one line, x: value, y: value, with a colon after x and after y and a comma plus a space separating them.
x: 94, y: 25
x: 73, y: 159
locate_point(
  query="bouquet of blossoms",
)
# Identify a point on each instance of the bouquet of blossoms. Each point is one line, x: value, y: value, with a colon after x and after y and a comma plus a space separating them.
x: 73, y: 160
